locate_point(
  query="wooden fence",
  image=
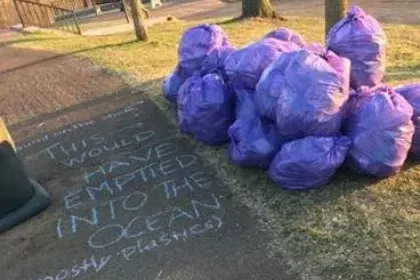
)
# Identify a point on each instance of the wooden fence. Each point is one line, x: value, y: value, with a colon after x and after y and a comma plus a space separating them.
x: 74, y: 4
x: 8, y: 15
x: 47, y: 15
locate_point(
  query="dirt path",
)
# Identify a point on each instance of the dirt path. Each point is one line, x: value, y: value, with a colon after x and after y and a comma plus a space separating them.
x: 6, y: 35
x: 35, y: 83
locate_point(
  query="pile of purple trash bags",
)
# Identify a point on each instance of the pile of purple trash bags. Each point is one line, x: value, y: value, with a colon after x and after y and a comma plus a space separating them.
x: 295, y: 109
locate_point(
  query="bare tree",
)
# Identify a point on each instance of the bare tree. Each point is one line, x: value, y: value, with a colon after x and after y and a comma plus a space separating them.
x: 138, y: 14
x: 259, y: 8
x: 334, y: 11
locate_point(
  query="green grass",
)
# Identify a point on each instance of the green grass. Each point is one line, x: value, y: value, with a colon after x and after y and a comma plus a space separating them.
x: 355, y: 227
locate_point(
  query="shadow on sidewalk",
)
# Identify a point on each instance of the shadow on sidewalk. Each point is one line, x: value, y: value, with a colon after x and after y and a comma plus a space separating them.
x: 55, y: 56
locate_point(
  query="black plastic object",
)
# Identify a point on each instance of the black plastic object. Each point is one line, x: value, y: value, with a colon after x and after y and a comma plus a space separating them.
x: 20, y: 197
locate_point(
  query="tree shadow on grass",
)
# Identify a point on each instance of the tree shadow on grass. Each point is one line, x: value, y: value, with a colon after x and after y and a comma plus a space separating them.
x: 344, y: 183
x: 240, y: 19
x: 233, y: 20
x: 26, y: 40
x: 66, y: 54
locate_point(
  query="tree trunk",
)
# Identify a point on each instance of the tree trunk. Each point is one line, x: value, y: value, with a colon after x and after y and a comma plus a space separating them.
x: 334, y: 11
x: 258, y: 8
x: 137, y: 12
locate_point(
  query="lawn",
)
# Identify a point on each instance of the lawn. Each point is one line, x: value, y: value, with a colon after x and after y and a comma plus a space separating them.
x: 354, y: 228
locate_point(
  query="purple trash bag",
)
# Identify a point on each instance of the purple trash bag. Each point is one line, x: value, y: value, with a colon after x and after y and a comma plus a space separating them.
x: 267, y: 89
x: 244, y: 66
x: 286, y: 34
x: 197, y: 43
x: 254, y: 140
x: 269, y: 86
x: 360, y: 38
x: 215, y: 61
x: 380, y: 127
x: 315, y: 47
x: 171, y: 85
x: 313, y: 93
x: 308, y: 162
x: 341, y: 64
x: 411, y: 93
x: 206, y: 108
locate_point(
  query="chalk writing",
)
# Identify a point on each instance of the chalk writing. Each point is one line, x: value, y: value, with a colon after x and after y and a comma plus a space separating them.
x: 138, y: 192
x: 129, y: 109
x: 172, y: 188
x: 138, y: 226
x: 80, y: 269
x: 113, y: 233
x: 78, y: 153
x: 145, y: 155
x: 131, y: 202
x: 141, y: 246
x: 49, y: 136
x: 132, y: 108
x: 159, y: 275
x: 190, y: 210
x: 166, y: 238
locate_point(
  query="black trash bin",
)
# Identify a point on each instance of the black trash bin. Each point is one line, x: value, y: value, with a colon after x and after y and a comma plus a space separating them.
x: 20, y: 197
